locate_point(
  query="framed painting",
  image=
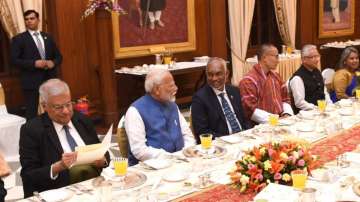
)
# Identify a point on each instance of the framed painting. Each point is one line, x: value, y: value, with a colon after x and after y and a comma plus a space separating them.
x: 336, y: 18
x: 154, y: 26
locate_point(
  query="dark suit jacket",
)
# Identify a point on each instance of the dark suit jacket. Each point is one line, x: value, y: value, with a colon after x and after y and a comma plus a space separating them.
x: 24, y: 53
x: 40, y: 147
x: 207, y: 113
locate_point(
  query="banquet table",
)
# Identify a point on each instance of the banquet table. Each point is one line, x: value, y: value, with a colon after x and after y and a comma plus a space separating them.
x: 288, y: 64
x: 335, y: 132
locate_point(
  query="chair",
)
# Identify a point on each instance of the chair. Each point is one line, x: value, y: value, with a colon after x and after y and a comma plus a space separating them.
x: 122, y: 138
x: 328, y: 75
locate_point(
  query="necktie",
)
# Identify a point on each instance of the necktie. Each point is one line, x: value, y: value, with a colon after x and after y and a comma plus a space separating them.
x: 230, y: 116
x: 39, y: 45
x: 69, y: 138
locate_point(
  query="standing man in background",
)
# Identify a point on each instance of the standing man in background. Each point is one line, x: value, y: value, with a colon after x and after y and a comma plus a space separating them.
x: 37, y: 56
x: 154, y: 9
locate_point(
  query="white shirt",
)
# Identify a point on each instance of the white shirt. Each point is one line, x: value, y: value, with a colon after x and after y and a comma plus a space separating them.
x: 298, y: 92
x: 135, y: 130
x: 40, y: 37
x: 63, y: 141
x: 217, y: 93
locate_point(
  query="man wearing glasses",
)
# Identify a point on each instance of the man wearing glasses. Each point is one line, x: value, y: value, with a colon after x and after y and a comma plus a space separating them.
x: 262, y: 90
x: 47, y: 143
x: 307, y: 84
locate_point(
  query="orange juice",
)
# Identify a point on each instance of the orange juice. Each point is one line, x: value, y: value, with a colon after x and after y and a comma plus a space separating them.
x: 274, y: 119
x: 206, y: 140
x: 299, y: 179
x: 357, y: 94
x: 167, y: 60
x: 120, y: 165
x: 289, y: 50
x: 321, y: 105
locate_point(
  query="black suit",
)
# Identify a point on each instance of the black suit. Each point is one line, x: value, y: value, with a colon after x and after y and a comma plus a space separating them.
x: 40, y: 147
x: 24, y: 53
x: 207, y: 113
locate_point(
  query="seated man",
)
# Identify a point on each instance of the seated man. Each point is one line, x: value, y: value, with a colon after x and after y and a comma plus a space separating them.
x: 216, y: 107
x: 47, y: 142
x: 153, y: 123
x: 307, y: 84
x: 263, y: 91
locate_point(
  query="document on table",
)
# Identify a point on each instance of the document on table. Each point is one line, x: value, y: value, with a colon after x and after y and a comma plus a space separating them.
x: 90, y: 153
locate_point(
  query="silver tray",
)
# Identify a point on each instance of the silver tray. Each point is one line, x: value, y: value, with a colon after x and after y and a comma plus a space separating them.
x: 197, y: 151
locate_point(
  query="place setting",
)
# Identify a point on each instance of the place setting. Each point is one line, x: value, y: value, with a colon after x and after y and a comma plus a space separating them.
x: 206, y: 149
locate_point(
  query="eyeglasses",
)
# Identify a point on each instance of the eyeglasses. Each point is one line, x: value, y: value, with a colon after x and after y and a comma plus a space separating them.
x: 312, y: 56
x: 59, y: 108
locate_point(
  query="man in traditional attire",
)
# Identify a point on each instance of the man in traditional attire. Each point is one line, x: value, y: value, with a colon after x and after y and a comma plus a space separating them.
x: 307, y: 84
x: 153, y: 123
x: 263, y: 91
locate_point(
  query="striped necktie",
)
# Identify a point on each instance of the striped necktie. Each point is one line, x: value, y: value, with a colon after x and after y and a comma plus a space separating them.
x: 230, y: 116
x: 39, y: 45
x: 69, y: 138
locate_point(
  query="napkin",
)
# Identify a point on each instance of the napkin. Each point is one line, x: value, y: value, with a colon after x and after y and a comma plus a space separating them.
x: 56, y: 195
x: 278, y: 193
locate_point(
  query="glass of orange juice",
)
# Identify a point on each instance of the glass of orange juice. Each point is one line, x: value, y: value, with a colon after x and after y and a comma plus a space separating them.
x: 206, y: 141
x: 357, y: 94
x: 299, y: 178
x: 120, y: 166
x: 273, y: 119
x: 321, y: 105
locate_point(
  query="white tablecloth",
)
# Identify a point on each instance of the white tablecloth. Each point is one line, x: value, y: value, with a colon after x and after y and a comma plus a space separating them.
x: 9, y: 135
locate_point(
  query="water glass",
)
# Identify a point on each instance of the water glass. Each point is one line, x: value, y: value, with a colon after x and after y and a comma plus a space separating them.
x: 105, y: 191
x: 308, y: 195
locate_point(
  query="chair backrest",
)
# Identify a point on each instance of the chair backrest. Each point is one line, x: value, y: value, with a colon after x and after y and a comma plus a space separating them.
x: 328, y: 75
x: 2, y: 95
x: 122, y: 138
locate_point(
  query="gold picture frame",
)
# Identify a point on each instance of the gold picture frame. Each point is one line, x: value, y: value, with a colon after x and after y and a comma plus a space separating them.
x: 143, y: 50
x: 336, y: 18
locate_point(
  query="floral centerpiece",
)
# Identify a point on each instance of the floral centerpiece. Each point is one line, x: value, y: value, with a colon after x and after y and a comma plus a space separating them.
x: 109, y: 5
x: 272, y: 162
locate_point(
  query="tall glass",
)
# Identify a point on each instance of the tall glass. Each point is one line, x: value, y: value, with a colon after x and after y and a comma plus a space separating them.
x: 357, y: 94
x: 120, y: 166
x: 321, y: 106
x: 273, y: 122
x: 299, y: 178
x: 206, y: 142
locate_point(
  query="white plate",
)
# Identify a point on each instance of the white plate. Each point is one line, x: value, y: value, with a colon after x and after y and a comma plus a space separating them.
x: 308, y: 114
x: 56, y: 195
x: 345, y: 102
x: 286, y: 122
x: 346, y: 112
x: 305, y: 127
x: 232, y: 139
x: 175, y: 176
x: 158, y: 163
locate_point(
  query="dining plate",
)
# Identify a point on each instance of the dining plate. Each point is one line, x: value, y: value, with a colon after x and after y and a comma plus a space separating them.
x: 232, y: 139
x: 286, y: 122
x: 305, y: 127
x: 356, y: 188
x: 158, y: 163
x: 197, y: 151
x: 346, y: 112
x: 175, y: 176
x: 56, y: 195
x: 132, y: 179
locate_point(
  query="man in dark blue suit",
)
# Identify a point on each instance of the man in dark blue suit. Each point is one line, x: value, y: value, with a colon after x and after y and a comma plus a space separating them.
x: 37, y: 56
x: 216, y: 108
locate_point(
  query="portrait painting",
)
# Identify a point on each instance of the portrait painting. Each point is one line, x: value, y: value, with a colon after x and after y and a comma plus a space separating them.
x: 336, y: 18
x: 154, y: 26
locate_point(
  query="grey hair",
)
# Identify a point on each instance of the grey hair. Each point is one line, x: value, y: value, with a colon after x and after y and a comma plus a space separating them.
x: 52, y: 87
x: 344, y: 56
x: 264, y: 48
x: 306, y: 49
x: 154, y: 78
x: 214, y: 60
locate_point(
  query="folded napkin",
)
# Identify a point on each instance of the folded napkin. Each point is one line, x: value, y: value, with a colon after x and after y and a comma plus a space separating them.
x: 56, y: 195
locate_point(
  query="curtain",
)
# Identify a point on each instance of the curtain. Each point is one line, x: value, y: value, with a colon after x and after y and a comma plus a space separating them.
x: 240, y: 17
x: 11, y: 14
x: 285, y: 11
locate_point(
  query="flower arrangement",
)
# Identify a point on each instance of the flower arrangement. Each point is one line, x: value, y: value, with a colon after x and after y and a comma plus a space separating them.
x: 109, y: 5
x: 82, y: 105
x: 271, y: 162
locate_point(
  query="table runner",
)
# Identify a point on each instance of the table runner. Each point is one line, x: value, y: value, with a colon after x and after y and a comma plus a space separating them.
x: 326, y: 149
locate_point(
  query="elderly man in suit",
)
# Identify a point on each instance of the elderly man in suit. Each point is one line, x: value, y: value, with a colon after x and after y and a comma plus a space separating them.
x: 37, y: 56
x: 153, y: 123
x: 47, y: 143
x: 216, y: 108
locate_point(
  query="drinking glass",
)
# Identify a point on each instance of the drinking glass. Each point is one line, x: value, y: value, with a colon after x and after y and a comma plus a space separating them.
x: 299, y: 179
x: 273, y: 120
x: 121, y: 165
x: 206, y: 141
x: 321, y: 105
x: 357, y: 94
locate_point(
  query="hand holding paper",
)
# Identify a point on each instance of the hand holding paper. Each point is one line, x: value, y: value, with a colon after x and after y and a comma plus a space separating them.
x: 90, y: 153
